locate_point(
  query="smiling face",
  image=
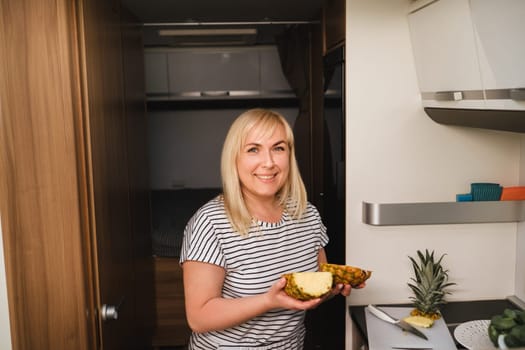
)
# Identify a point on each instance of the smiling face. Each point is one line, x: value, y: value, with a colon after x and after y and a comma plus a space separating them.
x: 263, y: 163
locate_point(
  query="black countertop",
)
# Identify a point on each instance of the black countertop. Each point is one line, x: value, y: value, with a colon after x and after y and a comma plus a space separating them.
x: 454, y: 313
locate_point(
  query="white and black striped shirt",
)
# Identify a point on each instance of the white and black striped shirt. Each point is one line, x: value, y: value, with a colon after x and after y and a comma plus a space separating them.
x: 253, y: 264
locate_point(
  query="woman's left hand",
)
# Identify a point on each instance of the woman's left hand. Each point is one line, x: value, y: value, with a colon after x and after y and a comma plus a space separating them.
x: 343, y: 289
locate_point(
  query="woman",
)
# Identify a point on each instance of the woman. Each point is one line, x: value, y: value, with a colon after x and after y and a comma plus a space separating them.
x: 238, y: 245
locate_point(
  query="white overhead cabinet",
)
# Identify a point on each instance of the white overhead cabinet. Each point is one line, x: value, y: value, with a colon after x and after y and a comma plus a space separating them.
x: 156, y: 67
x: 445, y: 54
x: 469, y: 53
x: 214, y: 73
x: 500, y: 28
x: 272, y: 77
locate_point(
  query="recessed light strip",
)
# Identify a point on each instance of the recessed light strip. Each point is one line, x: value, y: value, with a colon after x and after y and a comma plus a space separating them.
x: 200, y: 32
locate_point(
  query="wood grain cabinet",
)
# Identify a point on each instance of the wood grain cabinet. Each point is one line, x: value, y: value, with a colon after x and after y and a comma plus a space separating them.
x: 334, y: 24
x: 171, y: 328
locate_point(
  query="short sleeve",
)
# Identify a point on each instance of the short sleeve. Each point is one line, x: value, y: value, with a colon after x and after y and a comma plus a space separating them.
x: 323, y: 236
x: 200, y: 242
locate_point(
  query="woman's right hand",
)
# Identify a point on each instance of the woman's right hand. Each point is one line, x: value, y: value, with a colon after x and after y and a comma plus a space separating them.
x: 277, y: 298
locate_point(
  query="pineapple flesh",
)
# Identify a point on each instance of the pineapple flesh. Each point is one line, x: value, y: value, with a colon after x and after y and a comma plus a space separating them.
x: 308, y: 285
x: 344, y: 274
x: 428, y: 285
x: 419, y: 321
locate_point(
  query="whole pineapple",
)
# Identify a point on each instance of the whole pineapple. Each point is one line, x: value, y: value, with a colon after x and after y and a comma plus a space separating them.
x: 430, y: 282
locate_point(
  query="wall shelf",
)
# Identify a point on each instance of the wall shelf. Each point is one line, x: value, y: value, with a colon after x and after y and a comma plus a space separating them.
x: 434, y: 213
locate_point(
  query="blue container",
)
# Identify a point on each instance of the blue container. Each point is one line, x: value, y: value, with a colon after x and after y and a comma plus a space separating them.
x: 482, y: 191
x: 464, y: 197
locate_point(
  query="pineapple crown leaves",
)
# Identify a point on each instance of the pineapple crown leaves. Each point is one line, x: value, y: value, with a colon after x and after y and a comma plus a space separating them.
x: 430, y: 282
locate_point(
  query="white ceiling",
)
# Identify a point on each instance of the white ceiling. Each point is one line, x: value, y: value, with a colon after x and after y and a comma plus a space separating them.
x: 269, y: 17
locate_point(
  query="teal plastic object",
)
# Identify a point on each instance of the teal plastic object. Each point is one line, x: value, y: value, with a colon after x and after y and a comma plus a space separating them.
x: 464, y: 197
x: 482, y: 191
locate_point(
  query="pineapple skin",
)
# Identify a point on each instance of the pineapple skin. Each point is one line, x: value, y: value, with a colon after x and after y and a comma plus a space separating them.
x: 345, y: 274
x: 297, y: 292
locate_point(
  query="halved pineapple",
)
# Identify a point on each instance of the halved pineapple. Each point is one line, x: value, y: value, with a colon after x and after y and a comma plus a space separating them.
x: 345, y: 274
x: 308, y: 285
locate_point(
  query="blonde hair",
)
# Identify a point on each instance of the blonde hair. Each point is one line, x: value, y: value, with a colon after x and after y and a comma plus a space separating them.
x: 292, y: 196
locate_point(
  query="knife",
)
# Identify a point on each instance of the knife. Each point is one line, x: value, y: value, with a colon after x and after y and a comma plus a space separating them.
x: 400, y: 323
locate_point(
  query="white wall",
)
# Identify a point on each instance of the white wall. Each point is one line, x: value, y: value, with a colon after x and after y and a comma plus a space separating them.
x: 395, y: 153
x: 5, y: 331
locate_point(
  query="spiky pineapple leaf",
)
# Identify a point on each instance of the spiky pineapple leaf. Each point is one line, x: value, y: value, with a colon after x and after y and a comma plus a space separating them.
x: 429, y: 282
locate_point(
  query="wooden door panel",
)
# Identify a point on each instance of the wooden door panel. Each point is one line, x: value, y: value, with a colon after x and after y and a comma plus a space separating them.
x: 40, y: 197
x: 138, y: 174
x: 108, y: 167
x: 119, y: 173
x: 65, y: 183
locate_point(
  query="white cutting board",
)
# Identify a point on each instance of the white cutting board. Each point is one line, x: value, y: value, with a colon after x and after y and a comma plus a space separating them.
x: 383, y: 335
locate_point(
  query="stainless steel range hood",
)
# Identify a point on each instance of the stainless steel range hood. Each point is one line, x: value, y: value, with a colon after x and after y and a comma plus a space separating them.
x: 504, y: 120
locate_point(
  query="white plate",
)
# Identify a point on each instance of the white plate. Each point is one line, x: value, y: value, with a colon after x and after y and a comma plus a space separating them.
x: 474, y: 335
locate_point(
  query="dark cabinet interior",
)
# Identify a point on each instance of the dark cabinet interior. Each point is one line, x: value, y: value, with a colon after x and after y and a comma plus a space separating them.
x: 321, y: 142
x: 90, y: 107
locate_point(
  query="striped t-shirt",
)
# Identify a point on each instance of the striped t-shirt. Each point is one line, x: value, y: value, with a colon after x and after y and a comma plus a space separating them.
x: 253, y: 264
